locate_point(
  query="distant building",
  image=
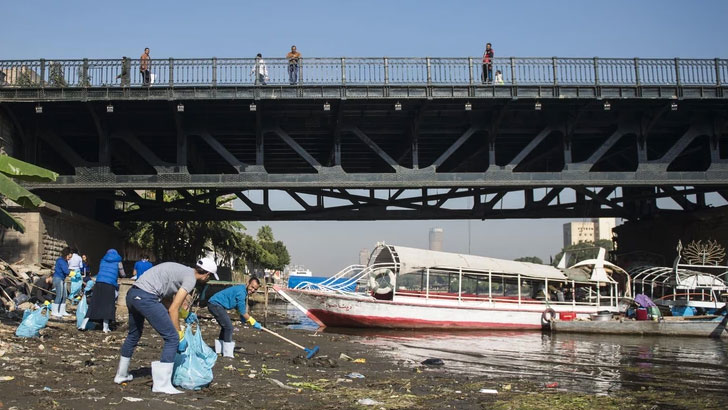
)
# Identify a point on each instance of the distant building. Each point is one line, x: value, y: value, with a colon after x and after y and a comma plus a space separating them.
x: 436, y: 236
x: 363, y: 256
x: 592, y: 231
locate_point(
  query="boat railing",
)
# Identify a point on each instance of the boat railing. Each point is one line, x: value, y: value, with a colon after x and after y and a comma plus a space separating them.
x: 353, y: 276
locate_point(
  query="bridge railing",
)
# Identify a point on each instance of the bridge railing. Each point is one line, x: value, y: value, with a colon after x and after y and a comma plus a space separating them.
x: 364, y: 71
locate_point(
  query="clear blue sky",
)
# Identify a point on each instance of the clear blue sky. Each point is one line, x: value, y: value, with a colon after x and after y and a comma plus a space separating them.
x: 618, y: 28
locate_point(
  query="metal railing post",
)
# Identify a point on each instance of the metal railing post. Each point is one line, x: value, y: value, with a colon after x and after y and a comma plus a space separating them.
x: 300, y: 71
x: 429, y: 72
x: 513, y: 70
x: 171, y: 72
x: 677, y: 71
x: 637, y: 71
x: 42, y: 72
x: 343, y: 70
x: 214, y: 71
x: 717, y: 72
x: 596, y: 71
x: 84, y: 74
x: 386, y: 70
x: 470, y: 67
x: 553, y: 64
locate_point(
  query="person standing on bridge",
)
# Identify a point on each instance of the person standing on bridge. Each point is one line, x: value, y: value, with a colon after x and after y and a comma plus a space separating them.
x: 488, y: 64
x: 294, y: 58
x: 145, y: 64
x: 231, y: 298
x: 260, y: 70
x: 165, y: 281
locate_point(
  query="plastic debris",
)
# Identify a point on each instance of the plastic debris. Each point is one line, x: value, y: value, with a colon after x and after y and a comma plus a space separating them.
x: 368, y: 402
x: 6, y: 378
x: 344, y: 356
x: 433, y: 362
x: 360, y: 360
x: 488, y: 391
x: 132, y: 399
x: 281, y: 385
x: 507, y: 387
x: 47, y: 389
x: 552, y: 385
x: 355, y: 375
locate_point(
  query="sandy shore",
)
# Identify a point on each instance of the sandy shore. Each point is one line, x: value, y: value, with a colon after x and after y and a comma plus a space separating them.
x: 68, y: 369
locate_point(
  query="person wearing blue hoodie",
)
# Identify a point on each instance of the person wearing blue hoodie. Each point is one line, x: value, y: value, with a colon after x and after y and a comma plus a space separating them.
x: 102, y: 306
x: 231, y: 298
x: 60, y: 272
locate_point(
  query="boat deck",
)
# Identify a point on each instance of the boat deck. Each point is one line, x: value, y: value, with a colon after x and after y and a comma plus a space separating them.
x: 701, y: 328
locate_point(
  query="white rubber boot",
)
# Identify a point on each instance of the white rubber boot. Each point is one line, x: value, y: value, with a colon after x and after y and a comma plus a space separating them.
x: 54, y: 310
x: 83, y: 324
x: 227, y: 349
x: 106, y: 326
x: 218, y: 346
x: 162, y: 378
x: 62, y: 310
x: 122, y: 374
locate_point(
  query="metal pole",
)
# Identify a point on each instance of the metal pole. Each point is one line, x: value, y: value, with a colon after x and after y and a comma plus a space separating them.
x: 427, y: 284
x: 677, y: 70
x: 637, y: 71
x: 84, y: 73
x: 343, y: 70
x: 513, y: 70
x: 214, y: 84
x: 490, y: 286
x: 460, y: 284
x: 519, y: 288
x: 42, y: 72
x: 717, y: 72
x: 386, y: 70
x: 553, y: 63
x: 429, y: 71
x: 470, y: 66
x: 171, y: 72
x: 596, y: 71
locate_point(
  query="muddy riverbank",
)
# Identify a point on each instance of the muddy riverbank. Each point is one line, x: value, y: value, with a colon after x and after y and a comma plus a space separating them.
x: 67, y: 369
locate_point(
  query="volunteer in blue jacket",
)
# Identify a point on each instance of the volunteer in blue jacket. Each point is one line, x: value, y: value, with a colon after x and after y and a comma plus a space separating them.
x: 102, y: 306
x: 144, y: 301
x: 140, y: 267
x: 60, y: 271
x: 231, y: 298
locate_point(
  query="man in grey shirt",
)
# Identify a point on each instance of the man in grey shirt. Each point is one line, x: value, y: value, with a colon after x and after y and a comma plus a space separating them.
x: 144, y: 301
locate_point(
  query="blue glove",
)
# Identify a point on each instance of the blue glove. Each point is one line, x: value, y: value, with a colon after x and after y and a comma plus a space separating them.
x: 257, y: 325
x: 191, y: 318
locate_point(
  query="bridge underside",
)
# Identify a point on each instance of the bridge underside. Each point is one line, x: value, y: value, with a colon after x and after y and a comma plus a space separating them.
x: 364, y: 159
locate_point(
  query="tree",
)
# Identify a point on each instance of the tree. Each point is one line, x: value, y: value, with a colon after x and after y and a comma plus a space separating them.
x: 265, y: 234
x: 583, y: 250
x: 531, y: 259
x: 11, y: 168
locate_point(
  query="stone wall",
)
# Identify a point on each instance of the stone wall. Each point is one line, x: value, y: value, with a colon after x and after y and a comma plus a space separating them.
x: 6, y: 135
x: 49, y: 229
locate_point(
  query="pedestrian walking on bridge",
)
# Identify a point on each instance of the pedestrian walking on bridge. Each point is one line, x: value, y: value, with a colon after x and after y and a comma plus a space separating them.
x: 170, y: 282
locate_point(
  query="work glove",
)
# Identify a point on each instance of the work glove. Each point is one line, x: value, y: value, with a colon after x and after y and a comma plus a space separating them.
x: 191, y: 318
x: 72, y: 274
x: 182, y: 346
x: 254, y: 323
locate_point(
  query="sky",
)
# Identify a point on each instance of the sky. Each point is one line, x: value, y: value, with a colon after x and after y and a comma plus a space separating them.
x: 395, y: 28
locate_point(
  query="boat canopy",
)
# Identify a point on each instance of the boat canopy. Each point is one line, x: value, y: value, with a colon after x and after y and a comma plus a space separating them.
x: 685, y: 278
x: 412, y: 260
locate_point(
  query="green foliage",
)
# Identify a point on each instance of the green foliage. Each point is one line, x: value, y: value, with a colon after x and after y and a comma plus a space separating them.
x: 186, y: 241
x: 583, y: 250
x: 55, y: 75
x: 11, y: 168
x: 531, y: 259
x: 24, y: 78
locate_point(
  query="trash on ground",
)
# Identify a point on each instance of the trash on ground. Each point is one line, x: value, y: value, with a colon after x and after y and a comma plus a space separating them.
x: 433, y: 362
x: 132, y: 399
x: 360, y: 360
x: 552, y: 385
x: 6, y: 378
x: 344, y: 356
x: 368, y: 402
x: 281, y: 385
x: 355, y: 375
x: 488, y: 391
x: 307, y: 385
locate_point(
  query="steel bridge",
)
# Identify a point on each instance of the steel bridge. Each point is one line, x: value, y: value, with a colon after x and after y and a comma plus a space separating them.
x: 374, y: 138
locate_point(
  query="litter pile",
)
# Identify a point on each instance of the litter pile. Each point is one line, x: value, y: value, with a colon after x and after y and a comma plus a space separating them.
x: 17, y: 284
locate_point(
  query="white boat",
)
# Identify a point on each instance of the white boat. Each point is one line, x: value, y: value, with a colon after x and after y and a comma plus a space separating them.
x: 403, y: 287
x: 694, y: 284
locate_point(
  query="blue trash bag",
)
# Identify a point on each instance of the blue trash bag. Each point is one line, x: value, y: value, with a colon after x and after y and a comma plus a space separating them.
x: 81, y: 315
x: 193, y: 367
x: 33, y: 322
x: 76, y: 283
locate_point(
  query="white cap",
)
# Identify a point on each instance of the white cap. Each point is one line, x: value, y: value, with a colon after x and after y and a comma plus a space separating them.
x: 209, y: 265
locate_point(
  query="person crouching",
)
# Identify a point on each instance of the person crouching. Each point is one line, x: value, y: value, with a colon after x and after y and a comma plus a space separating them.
x: 144, y: 302
x: 231, y: 298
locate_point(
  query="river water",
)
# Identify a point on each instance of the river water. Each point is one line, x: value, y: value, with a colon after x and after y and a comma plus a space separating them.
x: 579, y: 362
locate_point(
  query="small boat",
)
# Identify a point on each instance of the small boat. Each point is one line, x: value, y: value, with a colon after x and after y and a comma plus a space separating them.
x: 709, y: 327
x: 402, y: 287
x: 695, y: 284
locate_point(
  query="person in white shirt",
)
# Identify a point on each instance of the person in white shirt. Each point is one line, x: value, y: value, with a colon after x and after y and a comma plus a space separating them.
x: 260, y: 70
x: 498, y: 77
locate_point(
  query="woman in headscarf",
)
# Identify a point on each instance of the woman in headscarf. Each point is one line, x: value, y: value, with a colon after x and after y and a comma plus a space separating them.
x: 102, y: 306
